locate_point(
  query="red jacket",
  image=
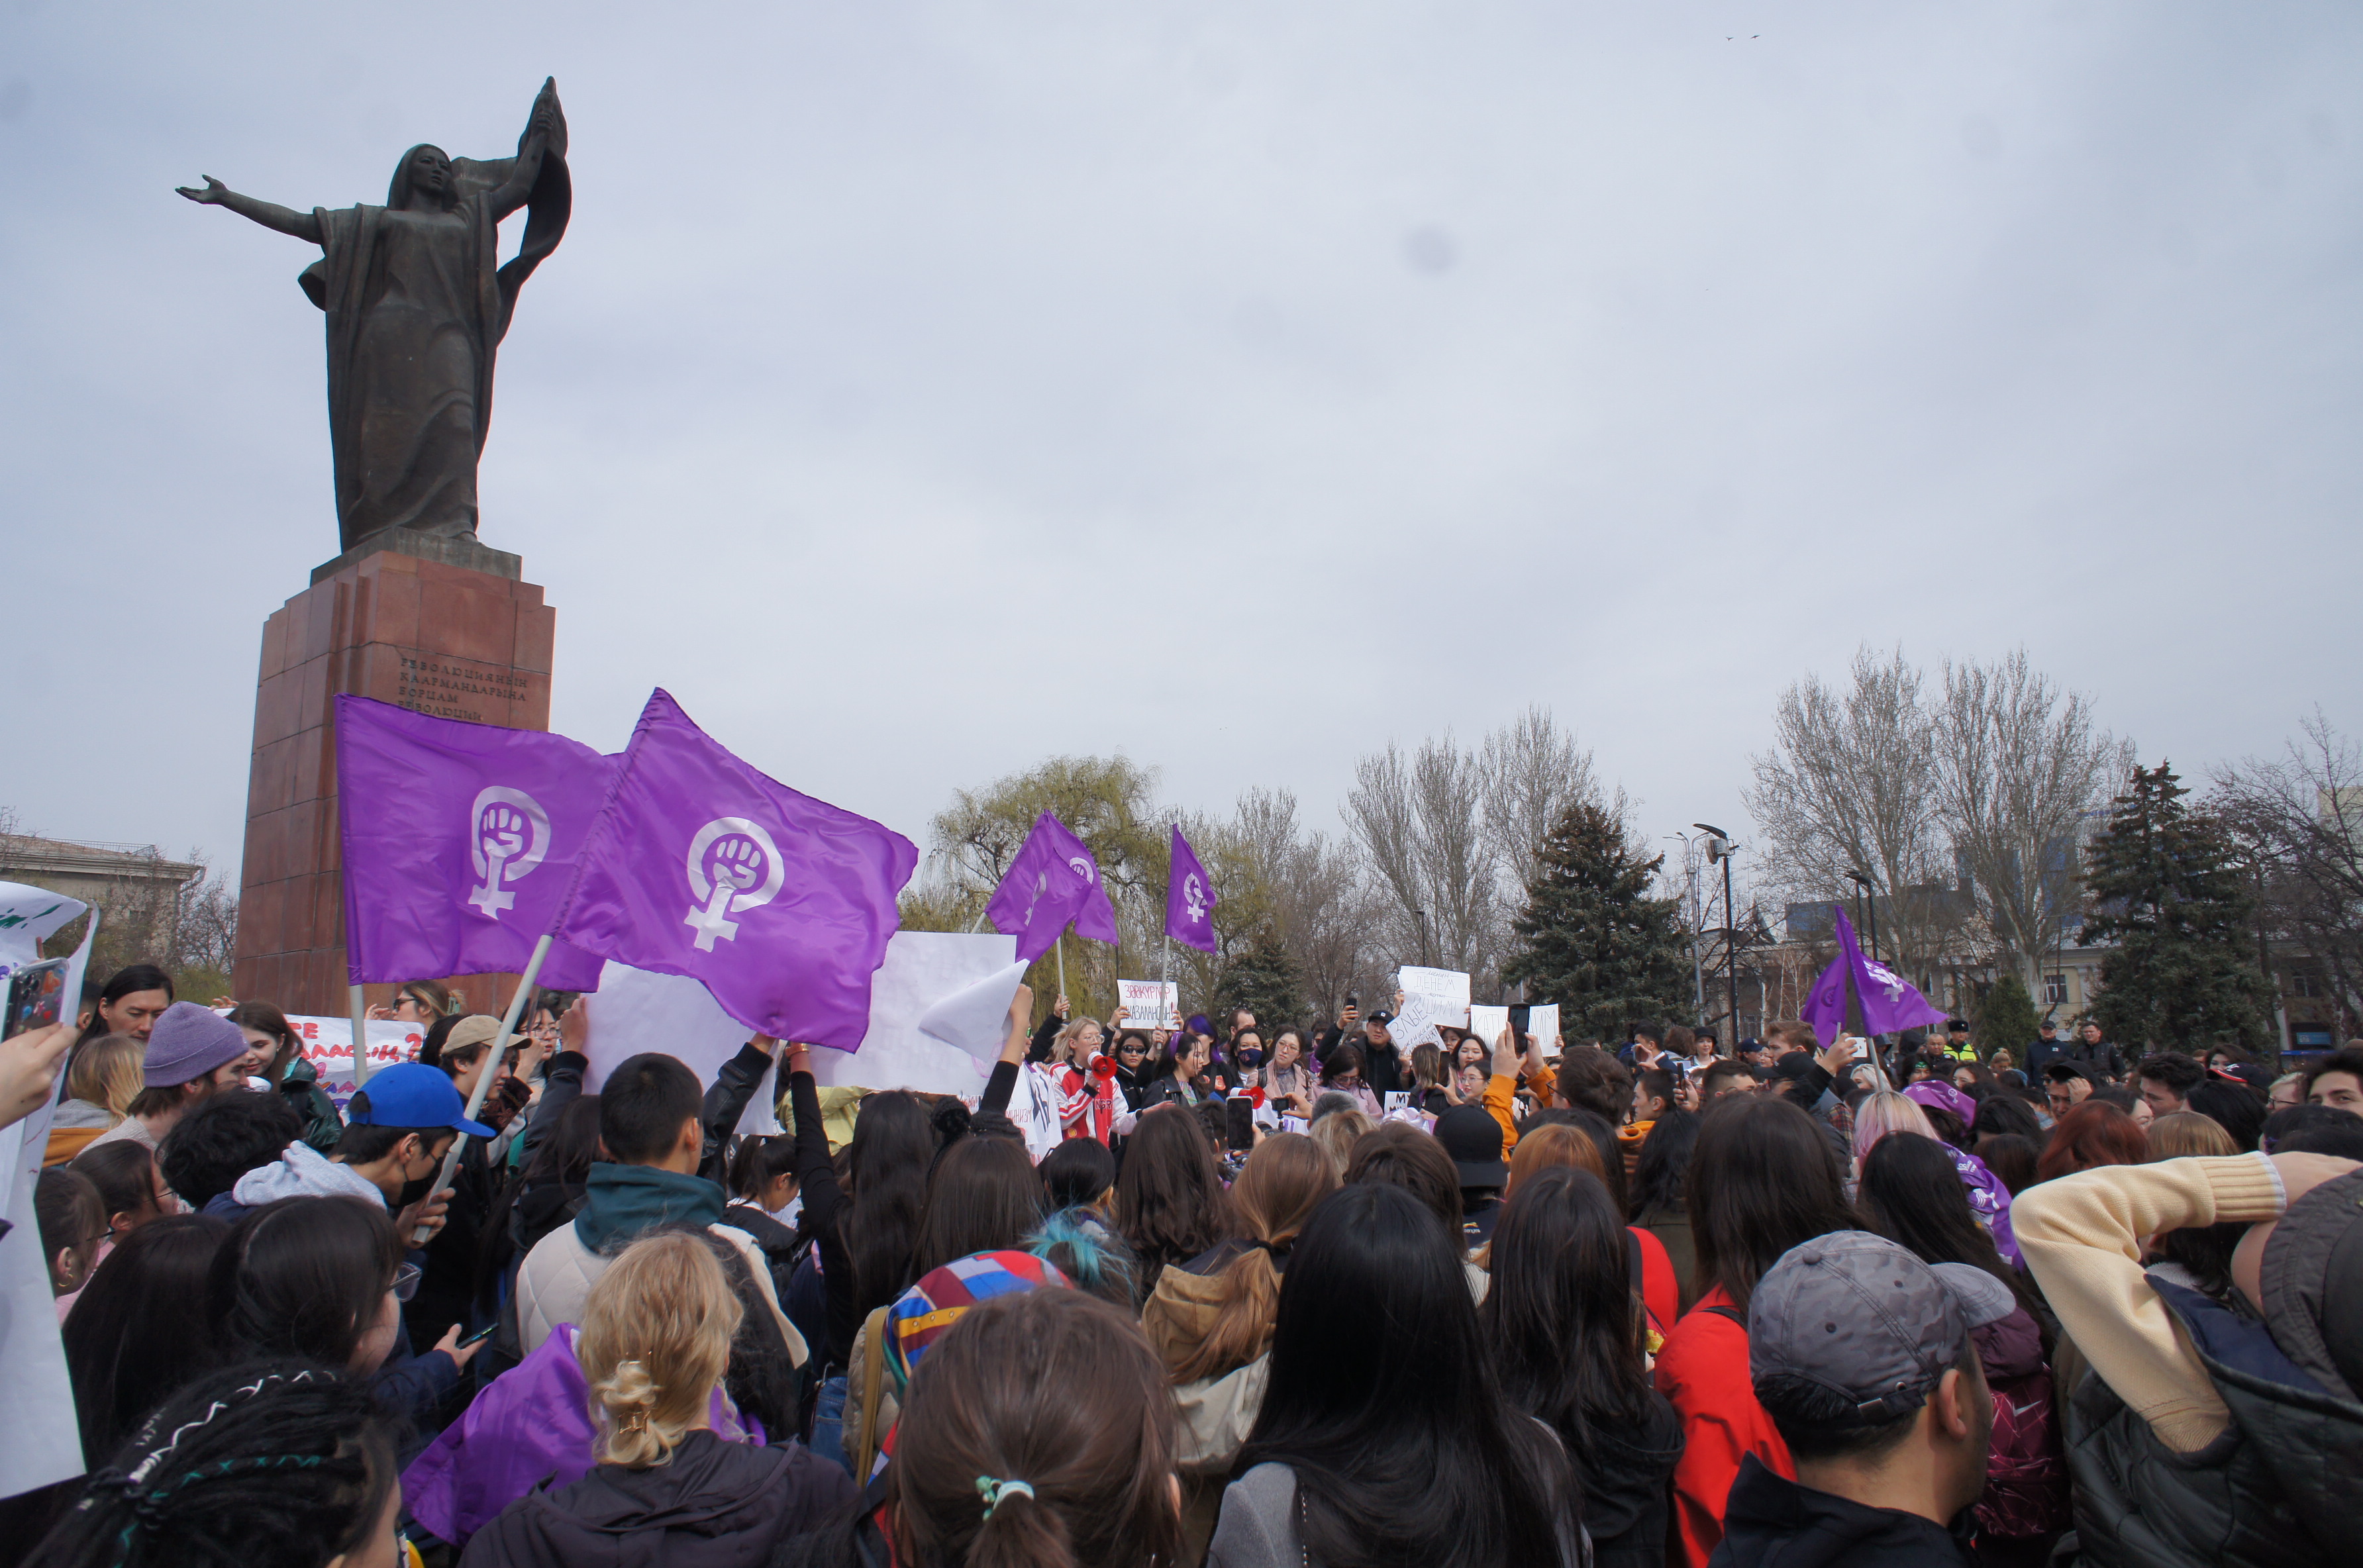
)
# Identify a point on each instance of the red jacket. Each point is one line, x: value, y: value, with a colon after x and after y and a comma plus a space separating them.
x: 1660, y: 1292
x: 1703, y: 1371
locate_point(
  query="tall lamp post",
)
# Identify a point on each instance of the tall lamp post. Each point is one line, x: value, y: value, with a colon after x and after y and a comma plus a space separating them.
x: 1720, y: 848
x: 1870, y: 907
x: 1698, y: 973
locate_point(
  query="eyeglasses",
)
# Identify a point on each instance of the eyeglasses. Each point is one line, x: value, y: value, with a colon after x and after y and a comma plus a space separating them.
x: 405, y: 1282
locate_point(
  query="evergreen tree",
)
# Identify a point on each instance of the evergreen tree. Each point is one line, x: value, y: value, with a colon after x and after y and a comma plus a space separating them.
x: 1593, y: 939
x: 2006, y: 1020
x: 2182, y: 972
x: 1262, y: 979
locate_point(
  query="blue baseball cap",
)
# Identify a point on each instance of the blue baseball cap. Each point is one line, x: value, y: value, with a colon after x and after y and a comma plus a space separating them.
x: 412, y: 1094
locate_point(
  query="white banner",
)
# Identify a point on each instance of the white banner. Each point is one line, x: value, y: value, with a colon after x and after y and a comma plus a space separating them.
x: 1542, y: 1022
x: 1446, y: 991
x: 328, y: 1047
x: 1487, y: 1023
x: 1150, y: 1004
x: 635, y: 1009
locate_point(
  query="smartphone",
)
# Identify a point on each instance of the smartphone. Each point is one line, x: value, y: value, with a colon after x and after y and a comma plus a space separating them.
x: 37, y: 995
x: 480, y: 1336
x: 1239, y: 1123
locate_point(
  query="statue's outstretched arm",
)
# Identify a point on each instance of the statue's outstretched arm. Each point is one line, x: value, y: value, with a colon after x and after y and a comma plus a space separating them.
x: 545, y: 135
x: 270, y: 214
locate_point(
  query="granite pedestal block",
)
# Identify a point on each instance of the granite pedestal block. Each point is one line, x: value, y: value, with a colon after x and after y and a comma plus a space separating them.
x: 429, y: 633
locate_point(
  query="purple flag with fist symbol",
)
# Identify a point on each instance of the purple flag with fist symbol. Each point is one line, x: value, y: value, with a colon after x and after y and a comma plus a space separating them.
x: 1888, y: 1002
x: 459, y: 841
x: 1189, y: 898
x: 701, y: 865
x: 1054, y: 880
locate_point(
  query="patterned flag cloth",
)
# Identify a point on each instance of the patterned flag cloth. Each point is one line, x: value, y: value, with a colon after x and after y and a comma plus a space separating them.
x: 1054, y: 881
x: 459, y: 841
x: 699, y: 865
x: 1189, y: 898
x: 1888, y: 1002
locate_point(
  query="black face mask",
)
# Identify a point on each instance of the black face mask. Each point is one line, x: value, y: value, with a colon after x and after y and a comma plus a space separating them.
x: 412, y: 1191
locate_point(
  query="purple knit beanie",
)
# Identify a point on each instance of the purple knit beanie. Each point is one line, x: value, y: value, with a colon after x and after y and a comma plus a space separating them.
x: 188, y: 1042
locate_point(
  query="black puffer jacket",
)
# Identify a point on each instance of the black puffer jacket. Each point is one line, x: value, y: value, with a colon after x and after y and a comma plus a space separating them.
x: 2282, y: 1487
x: 715, y: 1505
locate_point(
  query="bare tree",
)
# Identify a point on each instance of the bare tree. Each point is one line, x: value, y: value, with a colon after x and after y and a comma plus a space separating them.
x: 1419, y: 822
x: 2300, y: 819
x: 2020, y: 766
x: 1533, y: 771
x: 1851, y: 785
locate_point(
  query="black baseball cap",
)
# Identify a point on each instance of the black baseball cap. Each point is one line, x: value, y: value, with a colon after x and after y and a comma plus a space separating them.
x: 1473, y: 1138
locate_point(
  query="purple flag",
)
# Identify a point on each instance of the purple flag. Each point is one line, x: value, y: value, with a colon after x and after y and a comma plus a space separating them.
x: 1053, y: 881
x: 1189, y: 898
x: 700, y: 865
x: 1888, y: 1002
x: 459, y: 841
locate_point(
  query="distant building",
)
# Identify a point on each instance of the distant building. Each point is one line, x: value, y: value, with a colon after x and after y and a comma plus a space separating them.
x: 130, y: 884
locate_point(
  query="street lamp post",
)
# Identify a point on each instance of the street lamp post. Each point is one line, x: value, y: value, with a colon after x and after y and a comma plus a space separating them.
x: 1698, y: 971
x: 1720, y: 848
x: 1870, y: 907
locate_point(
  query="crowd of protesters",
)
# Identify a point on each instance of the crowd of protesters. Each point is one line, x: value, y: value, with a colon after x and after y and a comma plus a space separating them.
x: 1238, y: 1295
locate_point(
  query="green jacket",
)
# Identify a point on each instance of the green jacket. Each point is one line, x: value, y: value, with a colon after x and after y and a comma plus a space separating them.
x: 300, y: 1084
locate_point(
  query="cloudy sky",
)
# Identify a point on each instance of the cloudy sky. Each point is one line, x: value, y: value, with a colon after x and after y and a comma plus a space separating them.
x: 923, y: 389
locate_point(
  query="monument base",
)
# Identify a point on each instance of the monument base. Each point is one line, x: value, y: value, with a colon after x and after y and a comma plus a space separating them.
x: 448, y: 550
x: 421, y: 628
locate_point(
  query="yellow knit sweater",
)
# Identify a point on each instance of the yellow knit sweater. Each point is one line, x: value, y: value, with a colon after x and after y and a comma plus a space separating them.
x: 2082, y: 1237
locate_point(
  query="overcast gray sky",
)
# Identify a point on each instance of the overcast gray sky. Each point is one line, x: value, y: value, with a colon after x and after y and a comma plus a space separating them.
x: 923, y: 389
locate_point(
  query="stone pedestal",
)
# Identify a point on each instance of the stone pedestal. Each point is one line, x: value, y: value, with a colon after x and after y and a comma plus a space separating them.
x: 459, y: 641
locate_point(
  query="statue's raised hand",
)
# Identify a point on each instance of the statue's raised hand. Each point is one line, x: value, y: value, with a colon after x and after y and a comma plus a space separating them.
x: 213, y: 194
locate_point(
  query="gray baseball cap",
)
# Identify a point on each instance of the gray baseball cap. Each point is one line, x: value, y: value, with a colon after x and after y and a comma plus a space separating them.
x: 1860, y: 1317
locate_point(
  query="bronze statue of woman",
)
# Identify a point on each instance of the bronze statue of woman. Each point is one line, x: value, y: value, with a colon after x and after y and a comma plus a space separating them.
x: 417, y: 303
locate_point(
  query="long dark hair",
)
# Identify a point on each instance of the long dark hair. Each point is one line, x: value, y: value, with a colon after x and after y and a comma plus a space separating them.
x: 121, y: 984
x: 886, y: 1185
x: 563, y: 1158
x: 1663, y: 1173
x: 1561, y: 1315
x: 1762, y: 1179
x: 1169, y: 1202
x: 983, y: 1197
x: 304, y: 1276
x: 2006, y: 1115
x: 131, y: 1338
x: 1911, y: 1195
x: 1382, y: 1397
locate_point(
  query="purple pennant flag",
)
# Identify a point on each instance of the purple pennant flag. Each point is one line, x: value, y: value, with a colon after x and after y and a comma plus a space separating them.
x: 1054, y: 880
x: 1189, y: 898
x: 1888, y: 1002
x: 700, y: 865
x: 459, y: 841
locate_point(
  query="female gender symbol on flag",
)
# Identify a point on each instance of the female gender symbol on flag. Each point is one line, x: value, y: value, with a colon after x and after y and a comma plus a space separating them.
x: 1054, y: 880
x: 1189, y: 898
x: 729, y: 856
x: 789, y: 901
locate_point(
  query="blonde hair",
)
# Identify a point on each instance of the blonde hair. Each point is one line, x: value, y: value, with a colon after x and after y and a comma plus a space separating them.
x: 1886, y: 1112
x: 1063, y: 1046
x: 2182, y: 1132
x: 656, y: 1339
x: 109, y: 1073
x: 1338, y: 1131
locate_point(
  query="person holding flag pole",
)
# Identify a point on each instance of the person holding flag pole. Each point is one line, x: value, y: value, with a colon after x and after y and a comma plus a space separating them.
x: 1189, y: 902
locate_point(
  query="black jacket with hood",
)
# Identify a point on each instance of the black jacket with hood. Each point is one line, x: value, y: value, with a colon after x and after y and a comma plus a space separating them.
x: 713, y: 1505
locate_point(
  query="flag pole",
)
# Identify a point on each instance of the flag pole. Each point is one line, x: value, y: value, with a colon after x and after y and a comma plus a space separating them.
x: 1060, y: 944
x: 361, y: 1037
x: 492, y: 1065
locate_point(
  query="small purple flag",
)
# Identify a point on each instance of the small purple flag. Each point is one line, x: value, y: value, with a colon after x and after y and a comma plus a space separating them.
x: 1054, y: 880
x: 1189, y: 898
x: 459, y: 841
x: 700, y: 865
x: 1888, y: 1002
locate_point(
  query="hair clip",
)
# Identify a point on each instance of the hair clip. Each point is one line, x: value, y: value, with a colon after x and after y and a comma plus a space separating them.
x: 995, y: 1492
